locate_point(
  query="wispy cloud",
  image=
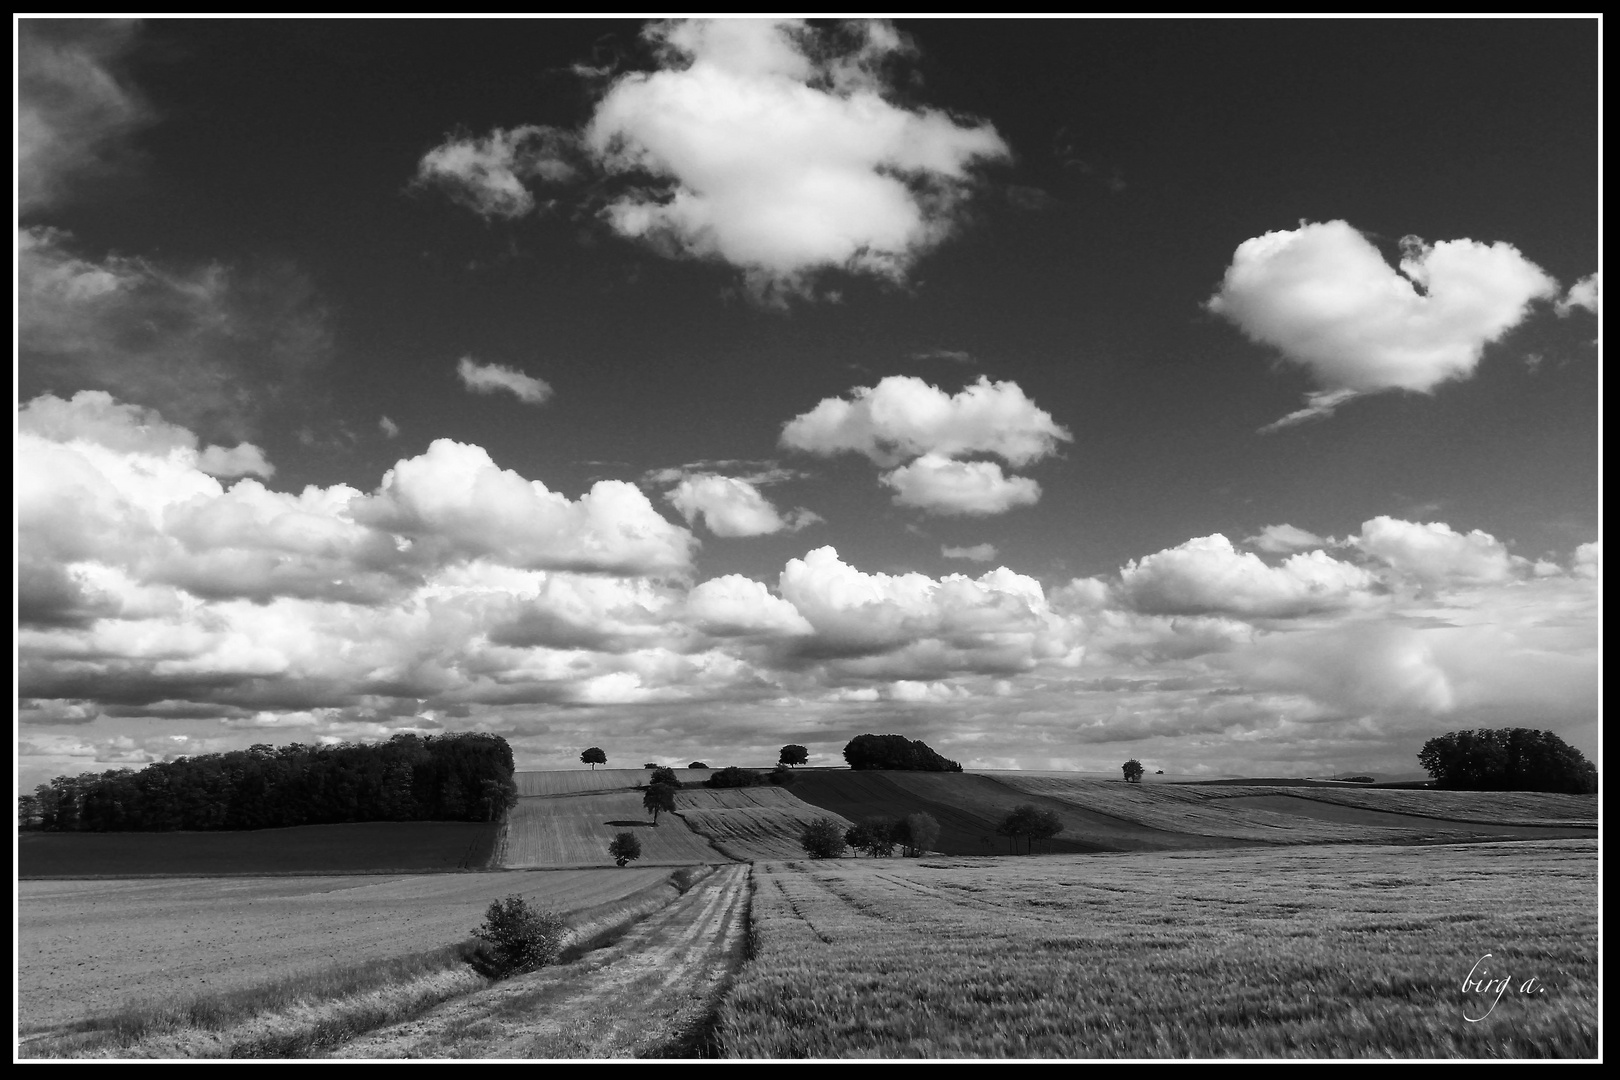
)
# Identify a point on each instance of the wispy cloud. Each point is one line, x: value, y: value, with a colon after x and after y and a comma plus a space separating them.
x: 497, y: 378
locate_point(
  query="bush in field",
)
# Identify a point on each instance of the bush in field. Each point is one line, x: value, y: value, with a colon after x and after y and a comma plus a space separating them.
x: 517, y: 937
x: 593, y: 757
x: 823, y: 839
x: 1133, y: 771
x: 624, y: 847
x: 921, y: 833
x: 733, y: 777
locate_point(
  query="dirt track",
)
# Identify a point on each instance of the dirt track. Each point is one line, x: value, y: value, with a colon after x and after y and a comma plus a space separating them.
x: 647, y: 995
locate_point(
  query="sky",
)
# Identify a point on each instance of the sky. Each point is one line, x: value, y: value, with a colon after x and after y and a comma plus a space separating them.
x: 1218, y: 394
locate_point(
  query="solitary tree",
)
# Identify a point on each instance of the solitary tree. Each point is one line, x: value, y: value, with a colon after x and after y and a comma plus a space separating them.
x: 665, y: 776
x: 624, y: 847
x: 794, y: 755
x: 658, y: 797
x: 593, y: 757
x: 823, y: 839
x: 1133, y: 771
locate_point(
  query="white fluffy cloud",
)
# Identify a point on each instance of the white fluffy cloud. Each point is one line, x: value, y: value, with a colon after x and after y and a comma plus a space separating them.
x: 1582, y: 294
x: 497, y: 378
x: 734, y: 605
x: 488, y: 175
x: 1324, y: 296
x: 1207, y: 575
x: 942, y: 486
x: 94, y: 416
x: 904, y: 417
x: 1434, y: 553
x: 72, y: 106
x: 778, y: 149
x: 455, y: 499
x: 1589, y: 560
x: 731, y: 506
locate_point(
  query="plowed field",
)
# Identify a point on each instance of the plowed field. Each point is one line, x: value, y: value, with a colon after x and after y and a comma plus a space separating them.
x: 574, y: 783
x: 752, y: 823
x: 576, y: 831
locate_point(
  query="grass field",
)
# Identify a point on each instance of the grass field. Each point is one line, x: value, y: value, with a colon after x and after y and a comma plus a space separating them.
x: 1327, y: 952
x: 576, y: 830
x: 365, y: 847
x: 586, y: 780
x: 752, y: 823
x: 87, y: 947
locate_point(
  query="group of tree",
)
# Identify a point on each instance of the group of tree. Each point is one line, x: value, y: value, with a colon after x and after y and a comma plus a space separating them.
x: 895, y: 752
x: 1133, y: 771
x: 1507, y: 759
x: 450, y: 777
x: 1030, y: 822
x: 914, y: 835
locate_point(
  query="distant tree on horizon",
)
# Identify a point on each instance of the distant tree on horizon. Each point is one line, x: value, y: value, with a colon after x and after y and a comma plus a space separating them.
x: 1133, y: 771
x: 793, y: 754
x: 593, y: 757
x: 1507, y: 759
x: 697, y: 765
x: 895, y: 752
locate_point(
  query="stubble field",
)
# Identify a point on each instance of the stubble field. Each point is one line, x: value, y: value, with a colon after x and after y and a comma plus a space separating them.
x: 1328, y: 952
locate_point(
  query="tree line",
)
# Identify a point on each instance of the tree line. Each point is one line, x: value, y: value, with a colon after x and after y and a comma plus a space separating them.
x: 457, y: 776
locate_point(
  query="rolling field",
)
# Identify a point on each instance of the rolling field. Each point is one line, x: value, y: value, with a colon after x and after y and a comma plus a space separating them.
x: 575, y: 831
x: 364, y: 847
x: 751, y: 823
x: 1329, y: 952
x: 1278, y: 818
x: 84, y: 947
x: 570, y: 782
x: 969, y: 806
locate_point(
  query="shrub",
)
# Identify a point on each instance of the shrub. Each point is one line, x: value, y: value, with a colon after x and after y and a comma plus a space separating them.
x: 624, y: 847
x: 731, y: 776
x: 517, y: 937
x: 823, y: 839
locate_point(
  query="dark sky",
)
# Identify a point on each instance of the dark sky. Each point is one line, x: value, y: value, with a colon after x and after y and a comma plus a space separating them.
x: 279, y: 233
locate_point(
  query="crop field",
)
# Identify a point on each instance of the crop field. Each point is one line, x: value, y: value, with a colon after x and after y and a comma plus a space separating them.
x: 968, y: 808
x: 752, y: 823
x: 570, y: 782
x: 1321, y: 952
x: 1534, y: 808
x: 1283, y: 816
x: 84, y: 947
x: 575, y: 831
x: 371, y: 846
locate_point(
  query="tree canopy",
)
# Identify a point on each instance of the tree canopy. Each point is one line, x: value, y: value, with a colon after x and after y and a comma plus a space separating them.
x: 624, y: 847
x: 1507, y: 759
x: 823, y: 839
x: 1133, y: 771
x: 658, y: 797
x: 793, y: 754
x: 593, y: 757
x: 1030, y: 821
x: 895, y: 752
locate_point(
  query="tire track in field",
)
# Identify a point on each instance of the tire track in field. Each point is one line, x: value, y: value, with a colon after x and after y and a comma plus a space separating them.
x: 650, y: 994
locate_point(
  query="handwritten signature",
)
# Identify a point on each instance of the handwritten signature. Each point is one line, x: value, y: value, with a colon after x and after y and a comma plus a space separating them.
x: 1479, y: 980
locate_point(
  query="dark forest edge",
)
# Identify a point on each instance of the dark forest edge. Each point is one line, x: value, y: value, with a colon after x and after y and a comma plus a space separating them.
x: 457, y: 776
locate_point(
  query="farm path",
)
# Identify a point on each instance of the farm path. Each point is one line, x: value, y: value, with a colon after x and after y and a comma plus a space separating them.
x: 647, y: 995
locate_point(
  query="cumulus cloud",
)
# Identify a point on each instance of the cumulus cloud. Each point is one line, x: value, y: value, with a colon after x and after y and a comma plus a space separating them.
x: 904, y: 417
x: 487, y: 175
x: 779, y: 149
x: 94, y: 416
x: 1207, y: 575
x: 1279, y: 539
x: 1589, y: 560
x: 497, y: 378
x: 213, y: 346
x: 1325, y: 297
x: 732, y: 507
x: 1434, y: 553
x: 942, y: 486
x: 73, y: 107
x: 455, y: 499
x: 734, y: 606
x: 976, y: 553
x: 1582, y: 294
